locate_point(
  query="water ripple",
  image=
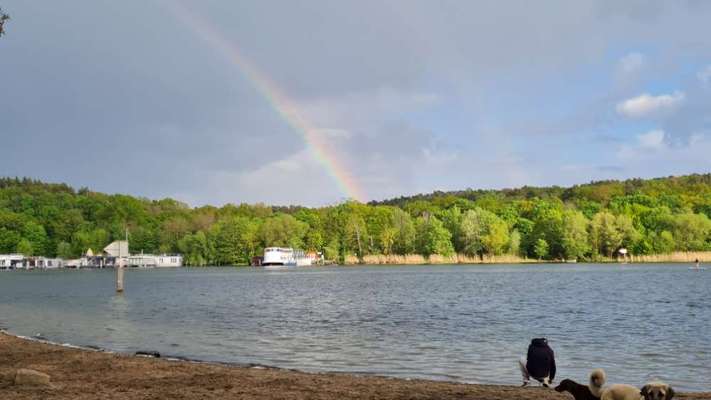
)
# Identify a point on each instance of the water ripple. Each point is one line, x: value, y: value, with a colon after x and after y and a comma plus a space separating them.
x: 460, y: 323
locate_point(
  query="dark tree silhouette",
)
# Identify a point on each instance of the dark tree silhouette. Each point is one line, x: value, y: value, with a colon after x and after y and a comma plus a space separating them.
x: 3, y: 17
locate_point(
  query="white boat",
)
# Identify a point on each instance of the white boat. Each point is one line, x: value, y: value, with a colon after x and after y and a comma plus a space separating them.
x: 284, y: 257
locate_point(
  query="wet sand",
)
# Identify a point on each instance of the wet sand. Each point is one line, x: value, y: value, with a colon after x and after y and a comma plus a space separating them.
x: 85, y: 374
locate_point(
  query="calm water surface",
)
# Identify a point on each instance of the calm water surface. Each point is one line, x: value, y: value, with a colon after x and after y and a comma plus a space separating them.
x: 463, y: 323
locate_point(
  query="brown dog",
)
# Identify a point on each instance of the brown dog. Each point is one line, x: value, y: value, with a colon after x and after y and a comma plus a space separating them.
x: 657, y: 391
x: 579, y: 392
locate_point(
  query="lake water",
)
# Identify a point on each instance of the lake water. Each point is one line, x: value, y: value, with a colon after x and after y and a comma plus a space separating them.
x: 461, y: 323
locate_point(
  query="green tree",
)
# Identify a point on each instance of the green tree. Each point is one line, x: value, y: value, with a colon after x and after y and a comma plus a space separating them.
x: 37, y: 236
x: 625, y: 226
x: 356, y: 234
x: 24, y: 246
x: 662, y: 243
x: 547, y: 217
x: 144, y: 239
x: 8, y: 240
x: 645, y: 216
x: 314, y: 240
x: 64, y: 250
x: 95, y: 239
x: 283, y: 230
x: 514, y: 247
x: 575, y: 241
x: 452, y: 220
x: 481, y: 232
x: 540, y: 249
x: 378, y: 221
x: 604, y: 235
x: 171, y: 231
x: 691, y: 231
x: 432, y: 237
x: 387, y: 239
x: 404, y: 241
x: 235, y: 241
x: 196, y: 249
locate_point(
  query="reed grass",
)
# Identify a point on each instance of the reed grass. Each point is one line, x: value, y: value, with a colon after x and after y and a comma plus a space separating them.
x: 676, y: 257
x: 437, y: 259
x: 417, y: 259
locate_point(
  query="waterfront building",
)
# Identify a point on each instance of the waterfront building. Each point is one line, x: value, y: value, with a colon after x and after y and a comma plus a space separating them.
x: 20, y: 261
x: 117, y: 248
x: 155, y: 261
x: 43, y: 263
x: 285, y: 257
x: 114, y: 254
x: 108, y: 258
x: 11, y: 261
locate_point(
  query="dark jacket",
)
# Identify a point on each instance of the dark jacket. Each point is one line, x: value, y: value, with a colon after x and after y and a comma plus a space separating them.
x: 540, y: 360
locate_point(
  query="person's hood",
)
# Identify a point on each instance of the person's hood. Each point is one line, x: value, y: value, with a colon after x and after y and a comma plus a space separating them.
x: 539, y: 342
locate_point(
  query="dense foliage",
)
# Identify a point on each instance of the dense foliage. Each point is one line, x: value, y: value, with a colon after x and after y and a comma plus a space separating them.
x: 585, y: 221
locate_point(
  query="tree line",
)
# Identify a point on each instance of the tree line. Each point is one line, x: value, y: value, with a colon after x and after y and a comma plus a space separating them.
x: 585, y: 222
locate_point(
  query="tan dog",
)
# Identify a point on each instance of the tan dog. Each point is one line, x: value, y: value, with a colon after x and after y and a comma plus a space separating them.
x: 612, y: 392
x: 597, y: 380
x: 657, y: 391
x: 621, y: 392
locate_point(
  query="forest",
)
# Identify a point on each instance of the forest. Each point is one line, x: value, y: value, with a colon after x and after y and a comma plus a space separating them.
x: 584, y: 222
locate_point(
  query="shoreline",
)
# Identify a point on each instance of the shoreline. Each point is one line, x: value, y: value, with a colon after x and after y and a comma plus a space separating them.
x: 85, y: 373
x: 679, y: 257
x: 462, y: 259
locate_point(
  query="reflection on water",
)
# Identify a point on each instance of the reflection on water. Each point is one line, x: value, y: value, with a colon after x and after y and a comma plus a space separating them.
x: 119, y: 328
x: 465, y: 323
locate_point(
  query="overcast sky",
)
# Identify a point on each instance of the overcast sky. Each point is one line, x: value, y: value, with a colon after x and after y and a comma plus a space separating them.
x: 409, y: 96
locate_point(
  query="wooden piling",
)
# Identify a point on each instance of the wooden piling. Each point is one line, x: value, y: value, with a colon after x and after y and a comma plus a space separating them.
x: 119, y: 277
x: 119, y: 266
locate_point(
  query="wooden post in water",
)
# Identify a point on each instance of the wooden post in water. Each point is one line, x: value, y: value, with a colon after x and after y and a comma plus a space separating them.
x: 119, y: 277
x: 119, y: 268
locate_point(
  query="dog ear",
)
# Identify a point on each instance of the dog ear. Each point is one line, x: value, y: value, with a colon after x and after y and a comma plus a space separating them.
x: 644, y: 391
x: 670, y: 393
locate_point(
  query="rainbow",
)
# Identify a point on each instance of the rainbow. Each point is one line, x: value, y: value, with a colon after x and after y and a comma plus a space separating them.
x: 281, y: 103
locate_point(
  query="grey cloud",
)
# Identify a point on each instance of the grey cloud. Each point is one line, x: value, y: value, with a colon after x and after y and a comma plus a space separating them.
x: 692, y: 118
x: 417, y: 94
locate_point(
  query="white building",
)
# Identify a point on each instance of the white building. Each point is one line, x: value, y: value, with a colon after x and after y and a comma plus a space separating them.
x: 77, y: 263
x: 116, y: 253
x: 155, y: 261
x: 118, y: 248
x: 19, y: 261
x: 43, y: 263
x: 11, y: 261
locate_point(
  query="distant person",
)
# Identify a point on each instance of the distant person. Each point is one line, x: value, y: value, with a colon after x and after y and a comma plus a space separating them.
x: 698, y: 264
x: 539, y: 363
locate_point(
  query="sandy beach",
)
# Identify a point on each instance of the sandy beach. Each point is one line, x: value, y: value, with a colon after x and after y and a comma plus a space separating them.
x: 85, y: 374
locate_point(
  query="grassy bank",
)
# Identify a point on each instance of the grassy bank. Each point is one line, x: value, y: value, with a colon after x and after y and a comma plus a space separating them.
x: 435, y: 259
x: 677, y: 257
x: 417, y: 259
x: 81, y: 375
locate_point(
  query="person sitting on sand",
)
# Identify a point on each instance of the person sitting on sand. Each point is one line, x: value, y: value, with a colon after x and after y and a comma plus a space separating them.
x: 539, y: 364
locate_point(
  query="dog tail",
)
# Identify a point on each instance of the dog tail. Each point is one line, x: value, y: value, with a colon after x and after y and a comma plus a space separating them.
x: 597, y: 381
